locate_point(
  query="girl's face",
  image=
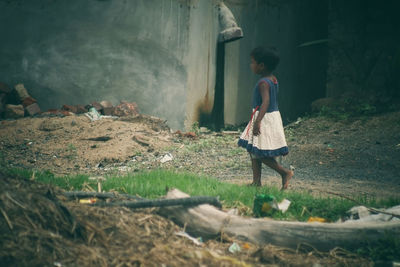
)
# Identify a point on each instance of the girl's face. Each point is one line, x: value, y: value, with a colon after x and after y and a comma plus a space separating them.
x: 256, y: 67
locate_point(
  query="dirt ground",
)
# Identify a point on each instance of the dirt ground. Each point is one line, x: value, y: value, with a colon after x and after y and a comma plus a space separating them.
x: 358, y: 156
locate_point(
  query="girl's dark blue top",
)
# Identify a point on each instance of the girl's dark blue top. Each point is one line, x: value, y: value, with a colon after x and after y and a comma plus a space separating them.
x: 273, y: 94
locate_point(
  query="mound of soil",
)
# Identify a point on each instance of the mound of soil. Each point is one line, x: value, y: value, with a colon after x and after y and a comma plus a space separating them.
x: 40, y: 227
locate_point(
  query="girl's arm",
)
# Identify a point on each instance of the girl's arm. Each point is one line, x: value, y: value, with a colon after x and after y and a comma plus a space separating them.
x: 263, y: 87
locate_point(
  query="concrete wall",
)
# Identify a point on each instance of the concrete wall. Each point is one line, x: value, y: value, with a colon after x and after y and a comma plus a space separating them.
x: 158, y: 53
x: 302, y: 70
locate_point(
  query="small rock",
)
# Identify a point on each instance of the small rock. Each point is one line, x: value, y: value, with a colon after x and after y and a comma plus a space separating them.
x: 14, y: 111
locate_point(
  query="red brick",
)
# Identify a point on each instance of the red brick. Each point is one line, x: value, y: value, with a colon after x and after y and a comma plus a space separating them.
x: 81, y: 109
x: 21, y: 91
x: 126, y: 109
x: 108, y: 111
x: 32, y: 109
x: 66, y: 113
x: 14, y: 111
x: 70, y: 108
x: 28, y: 101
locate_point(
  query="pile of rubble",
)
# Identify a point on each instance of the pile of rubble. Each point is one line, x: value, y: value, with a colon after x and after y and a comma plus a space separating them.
x: 17, y: 103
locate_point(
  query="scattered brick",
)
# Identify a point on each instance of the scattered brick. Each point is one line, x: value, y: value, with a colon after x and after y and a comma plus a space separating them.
x: 32, y: 109
x: 14, y: 111
x: 21, y: 92
x: 28, y: 101
x: 126, y: 109
x: 70, y: 108
x: 108, y: 111
x: 66, y: 113
x: 80, y: 109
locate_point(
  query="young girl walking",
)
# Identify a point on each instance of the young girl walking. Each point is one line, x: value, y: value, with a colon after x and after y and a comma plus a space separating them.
x: 264, y: 137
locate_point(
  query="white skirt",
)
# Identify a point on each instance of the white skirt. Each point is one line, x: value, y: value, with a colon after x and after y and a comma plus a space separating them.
x: 270, y: 142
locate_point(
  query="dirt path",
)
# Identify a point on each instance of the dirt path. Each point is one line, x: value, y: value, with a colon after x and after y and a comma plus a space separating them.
x: 354, y: 157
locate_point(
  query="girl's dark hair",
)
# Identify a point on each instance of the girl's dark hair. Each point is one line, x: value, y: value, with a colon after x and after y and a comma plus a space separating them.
x: 267, y: 55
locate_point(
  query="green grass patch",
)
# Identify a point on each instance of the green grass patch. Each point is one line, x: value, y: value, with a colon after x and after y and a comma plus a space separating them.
x: 153, y: 184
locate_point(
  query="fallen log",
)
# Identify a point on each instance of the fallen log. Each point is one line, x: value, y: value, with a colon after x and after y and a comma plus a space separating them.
x: 208, y: 222
x: 150, y: 203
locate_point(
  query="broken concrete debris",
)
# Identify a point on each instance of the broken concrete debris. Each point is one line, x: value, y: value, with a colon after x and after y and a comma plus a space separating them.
x: 16, y: 103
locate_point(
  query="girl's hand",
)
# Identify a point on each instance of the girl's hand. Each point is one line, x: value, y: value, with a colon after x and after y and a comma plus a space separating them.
x: 256, y: 128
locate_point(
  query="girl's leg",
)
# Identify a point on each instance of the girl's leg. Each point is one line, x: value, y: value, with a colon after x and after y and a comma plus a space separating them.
x: 256, y: 165
x: 285, y: 173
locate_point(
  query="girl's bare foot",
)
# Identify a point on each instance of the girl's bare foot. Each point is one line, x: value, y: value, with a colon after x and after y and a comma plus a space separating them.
x: 286, y: 178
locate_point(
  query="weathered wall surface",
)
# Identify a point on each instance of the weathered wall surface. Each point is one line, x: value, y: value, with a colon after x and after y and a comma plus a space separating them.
x: 158, y: 53
x: 302, y: 70
x: 364, y: 54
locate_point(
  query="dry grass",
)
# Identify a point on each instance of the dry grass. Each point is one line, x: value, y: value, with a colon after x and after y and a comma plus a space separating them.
x: 39, y: 227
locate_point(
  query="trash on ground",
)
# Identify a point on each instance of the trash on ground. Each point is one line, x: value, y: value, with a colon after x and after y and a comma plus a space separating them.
x: 284, y: 205
x: 264, y: 205
x: 316, y: 219
x: 196, y: 241
x: 93, y: 114
x: 364, y: 214
x: 88, y: 200
x: 166, y: 158
x: 246, y: 246
x: 234, y: 248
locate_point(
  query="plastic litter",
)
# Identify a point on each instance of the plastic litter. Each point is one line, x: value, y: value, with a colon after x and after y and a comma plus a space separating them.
x: 364, y: 214
x: 284, y: 205
x: 88, y: 200
x: 93, y: 114
x: 316, y: 219
x: 234, y: 248
x: 265, y: 205
x: 246, y: 246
